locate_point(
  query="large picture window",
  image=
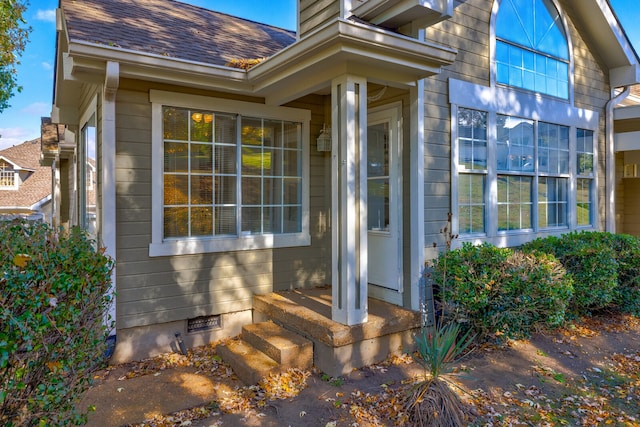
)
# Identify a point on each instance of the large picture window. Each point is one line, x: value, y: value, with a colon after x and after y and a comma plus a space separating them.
x: 231, y: 180
x: 515, y: 174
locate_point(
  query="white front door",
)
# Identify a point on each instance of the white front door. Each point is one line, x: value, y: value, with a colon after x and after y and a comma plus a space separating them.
x: 384, y: 204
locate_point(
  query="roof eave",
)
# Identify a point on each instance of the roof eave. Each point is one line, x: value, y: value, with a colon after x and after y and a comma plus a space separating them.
x: 84, y: 62
x: 610, y: 41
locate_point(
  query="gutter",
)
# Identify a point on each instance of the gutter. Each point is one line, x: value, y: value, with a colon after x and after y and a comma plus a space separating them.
x: 610, y: 179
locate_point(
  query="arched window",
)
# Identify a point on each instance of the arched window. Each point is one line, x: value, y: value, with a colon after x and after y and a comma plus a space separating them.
x: 532, y: 51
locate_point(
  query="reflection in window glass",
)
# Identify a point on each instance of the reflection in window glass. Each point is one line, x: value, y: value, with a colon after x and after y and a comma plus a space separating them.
x: 206, y: 167
x: 585, y: 152
x: 471, y: 203
x: 553, y: 148
x: 88, y: 174
x: 472, y: 139
x: 584, y: 202
x: 378, y: 186
x: 532, y: 51
x: 552, y: 202
x: 585, y: 162
x: 515, y: 144
x: 514, y: 202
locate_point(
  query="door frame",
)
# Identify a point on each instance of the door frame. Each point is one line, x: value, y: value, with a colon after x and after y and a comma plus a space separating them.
x: 392, y: 112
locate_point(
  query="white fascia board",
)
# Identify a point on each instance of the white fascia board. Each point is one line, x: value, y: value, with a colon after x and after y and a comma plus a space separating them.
x: 370, y: 40
x: 625, y: 76
x: 628, y: 141
x: 38, y: 205
x: 343, y: 46
x: 626, y: 113
x: 13, y: 164
x: 89, y: 58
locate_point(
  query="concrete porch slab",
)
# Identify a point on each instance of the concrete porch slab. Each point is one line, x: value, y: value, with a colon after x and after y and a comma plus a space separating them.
x: 339, y: 348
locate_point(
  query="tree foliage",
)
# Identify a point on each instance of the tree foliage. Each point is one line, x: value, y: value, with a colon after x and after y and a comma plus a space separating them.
x: 14, y: 35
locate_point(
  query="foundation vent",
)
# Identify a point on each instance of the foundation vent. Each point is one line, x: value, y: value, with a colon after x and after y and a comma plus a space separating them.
x: 204, y: 323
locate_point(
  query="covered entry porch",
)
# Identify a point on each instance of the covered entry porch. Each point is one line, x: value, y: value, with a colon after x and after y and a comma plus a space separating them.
x: 372, y: 79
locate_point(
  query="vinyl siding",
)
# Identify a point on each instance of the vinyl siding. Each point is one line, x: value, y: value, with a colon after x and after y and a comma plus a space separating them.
x: 631, y: 203
x: 315, y: 13
x: 468, y: 31
x: 165, y: 289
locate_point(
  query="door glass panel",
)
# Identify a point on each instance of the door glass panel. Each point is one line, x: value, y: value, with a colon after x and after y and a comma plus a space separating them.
x: 378, y: 191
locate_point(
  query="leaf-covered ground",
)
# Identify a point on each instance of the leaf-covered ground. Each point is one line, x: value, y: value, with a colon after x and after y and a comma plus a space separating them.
x: 585, y: 375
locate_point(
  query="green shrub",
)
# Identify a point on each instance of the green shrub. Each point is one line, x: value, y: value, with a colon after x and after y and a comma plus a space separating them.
x: 627, y: 250
x: 52, y: 308
x: 500, y: 292
x: 592, y: 263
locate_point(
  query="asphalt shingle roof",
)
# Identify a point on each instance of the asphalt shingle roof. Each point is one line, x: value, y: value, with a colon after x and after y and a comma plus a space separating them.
x: 37, y: 186
x: 173, y: 29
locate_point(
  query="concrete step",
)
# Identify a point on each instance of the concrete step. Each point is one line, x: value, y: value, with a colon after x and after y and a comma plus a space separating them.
x: 287, y: 348
x: 248, y: 363
x: 338, y: 348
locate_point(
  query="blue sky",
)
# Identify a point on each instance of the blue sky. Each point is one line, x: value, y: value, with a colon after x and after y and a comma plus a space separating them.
x: 21, y: 122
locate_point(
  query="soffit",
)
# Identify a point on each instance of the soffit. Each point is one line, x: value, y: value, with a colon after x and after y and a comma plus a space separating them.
x: 609, y: 39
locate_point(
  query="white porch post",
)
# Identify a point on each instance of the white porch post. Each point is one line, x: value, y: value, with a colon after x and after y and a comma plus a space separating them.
x: 349, y: 199
x: 108, y: 208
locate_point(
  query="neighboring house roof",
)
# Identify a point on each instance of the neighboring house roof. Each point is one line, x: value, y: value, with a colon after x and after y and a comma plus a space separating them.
x: 51, y: 134
x: 36, y: 187
x: 172, y: 29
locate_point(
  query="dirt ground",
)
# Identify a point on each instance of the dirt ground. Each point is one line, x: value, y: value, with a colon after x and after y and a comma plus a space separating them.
x: 586, y: 374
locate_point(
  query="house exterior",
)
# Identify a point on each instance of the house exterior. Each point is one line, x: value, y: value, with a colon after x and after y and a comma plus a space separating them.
x: 25, y: 186
x: 627, y: 152
x: 337, y: 158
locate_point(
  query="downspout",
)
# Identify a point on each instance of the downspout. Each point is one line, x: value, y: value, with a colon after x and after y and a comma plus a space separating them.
x: 111, y: 83
x: 610, y: 186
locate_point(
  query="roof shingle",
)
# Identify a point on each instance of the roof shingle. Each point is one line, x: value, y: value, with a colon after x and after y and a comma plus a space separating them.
x: 173, y: 29
x: 37, y: 186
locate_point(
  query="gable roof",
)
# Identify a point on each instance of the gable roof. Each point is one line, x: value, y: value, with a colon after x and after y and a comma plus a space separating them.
x: 172, y: 29
x: 37, y: 186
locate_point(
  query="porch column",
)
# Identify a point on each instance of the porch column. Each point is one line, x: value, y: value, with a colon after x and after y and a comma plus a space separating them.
x: 349, y: 199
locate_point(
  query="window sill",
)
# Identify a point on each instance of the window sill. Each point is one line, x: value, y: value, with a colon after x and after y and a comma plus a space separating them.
x: 244, y: 243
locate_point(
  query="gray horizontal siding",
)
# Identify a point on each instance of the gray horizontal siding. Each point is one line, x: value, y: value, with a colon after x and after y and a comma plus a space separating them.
x: 166, y: 289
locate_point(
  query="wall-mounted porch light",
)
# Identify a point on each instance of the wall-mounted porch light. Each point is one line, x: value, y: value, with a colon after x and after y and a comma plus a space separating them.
x: 323, y: 143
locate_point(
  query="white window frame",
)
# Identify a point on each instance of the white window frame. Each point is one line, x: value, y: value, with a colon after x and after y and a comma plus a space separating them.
x: 161, y: 247
x: 526, y: 105
x: 13, y: 171
x: 91, y: 113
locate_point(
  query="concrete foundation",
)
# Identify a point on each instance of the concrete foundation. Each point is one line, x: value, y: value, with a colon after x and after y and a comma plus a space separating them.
x: 148, y: 341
